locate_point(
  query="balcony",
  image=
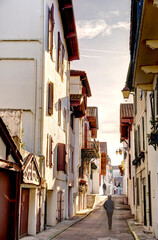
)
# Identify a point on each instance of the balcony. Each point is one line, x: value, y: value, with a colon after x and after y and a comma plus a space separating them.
x: 91, y: 151
x: 77, y: 104
x: 92, y: 115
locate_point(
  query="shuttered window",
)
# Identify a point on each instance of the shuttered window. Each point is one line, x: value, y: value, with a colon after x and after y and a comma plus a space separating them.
x: 64, y: 120
x: 139, y: 140
x: 49, y: 151
x: 60, y: 57
x: 72, y: 121
x: 59, y: 112
x: 59, y: 54
x: 61, y: 166
x: 137, y: 185
x: 50, y: 98
x: 50, y: 30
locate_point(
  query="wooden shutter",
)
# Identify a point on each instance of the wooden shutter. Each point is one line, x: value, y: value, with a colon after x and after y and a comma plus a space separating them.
x: 143, y: 130
x: 50, y: 98
x: 61, y: 157
x: 50, y: 151
x: 51, y: 29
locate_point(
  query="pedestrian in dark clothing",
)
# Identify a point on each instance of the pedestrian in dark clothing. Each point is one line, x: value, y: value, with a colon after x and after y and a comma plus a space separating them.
x: 109, y: 207
x: 104, y: 188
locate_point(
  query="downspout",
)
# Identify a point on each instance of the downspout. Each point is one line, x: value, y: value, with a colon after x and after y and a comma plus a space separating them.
x: 146, y: 166
x: 67, y: 135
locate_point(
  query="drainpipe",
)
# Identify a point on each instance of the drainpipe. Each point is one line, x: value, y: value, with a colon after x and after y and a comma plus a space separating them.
x: 146, y: 166
x: 67, y: 136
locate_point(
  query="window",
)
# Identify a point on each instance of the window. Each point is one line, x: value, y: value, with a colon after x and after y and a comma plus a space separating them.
x: 135, y: 141
x: 49, y: 151
x: 60, y: 56
x: 71, y: 163
x: 139, y: 140
x: 59, y: 112
x: 72, y: 121
x: 137, y: 182
x: 81, y: 170
x: 50, y: 98
x: 143, y: 133
x: 61, y: 154
x: 50, y: 30
x: 64, y: 120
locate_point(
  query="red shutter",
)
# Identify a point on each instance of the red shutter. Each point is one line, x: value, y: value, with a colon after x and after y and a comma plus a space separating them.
x: 50, y: 151
x: 61, y: 157
x: 83, y: 90
x: 50, y: 98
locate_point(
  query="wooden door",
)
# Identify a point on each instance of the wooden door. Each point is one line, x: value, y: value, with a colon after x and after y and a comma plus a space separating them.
x: 24, y: 211
x: 4, y: 203
x: 60, y: 206
x: 38, y: 220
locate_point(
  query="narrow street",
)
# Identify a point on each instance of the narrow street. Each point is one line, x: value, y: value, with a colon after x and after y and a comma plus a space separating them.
x: 95, y: 225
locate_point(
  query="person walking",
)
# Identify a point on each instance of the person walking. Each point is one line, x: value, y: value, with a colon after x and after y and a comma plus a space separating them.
x: 104, y: 188
x: 109, y: 207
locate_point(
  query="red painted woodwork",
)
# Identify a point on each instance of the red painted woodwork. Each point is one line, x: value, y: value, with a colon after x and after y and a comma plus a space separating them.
x: 61, y: 157
x: 24, y: 211
x: 4, y: 203
x: 8, y: 203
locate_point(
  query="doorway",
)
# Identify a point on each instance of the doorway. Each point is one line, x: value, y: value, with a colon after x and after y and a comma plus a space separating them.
x: 24, y: 212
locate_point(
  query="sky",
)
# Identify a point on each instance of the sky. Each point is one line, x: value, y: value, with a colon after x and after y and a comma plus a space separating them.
x: 103, y: 36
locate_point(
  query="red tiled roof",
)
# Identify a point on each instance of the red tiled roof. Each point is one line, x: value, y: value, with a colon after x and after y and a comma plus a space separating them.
x: 84, y: 80
x: 68, y: 21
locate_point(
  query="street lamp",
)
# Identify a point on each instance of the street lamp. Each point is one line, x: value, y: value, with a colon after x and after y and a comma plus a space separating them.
x: 120, y: 150
x: 125, y: 92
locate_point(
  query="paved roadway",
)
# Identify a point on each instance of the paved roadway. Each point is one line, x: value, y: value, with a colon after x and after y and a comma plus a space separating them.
x: 95, y: 227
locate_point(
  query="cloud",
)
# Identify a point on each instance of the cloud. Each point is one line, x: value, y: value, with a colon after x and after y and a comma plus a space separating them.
x: 109, y: 14
x: 92, y: 28
x: 123, y: 25
x: 102, y: 51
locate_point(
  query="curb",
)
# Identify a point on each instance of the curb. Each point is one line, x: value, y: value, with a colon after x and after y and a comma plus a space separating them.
x: 133, y: 233
x: 56, y: 234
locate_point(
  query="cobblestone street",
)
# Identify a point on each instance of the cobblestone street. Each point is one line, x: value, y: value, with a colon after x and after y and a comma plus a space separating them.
x: 95, y: 225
